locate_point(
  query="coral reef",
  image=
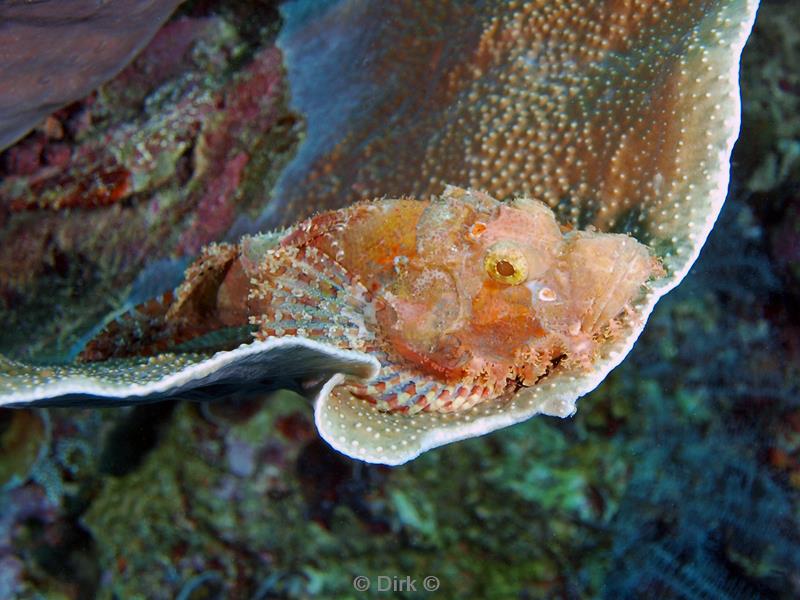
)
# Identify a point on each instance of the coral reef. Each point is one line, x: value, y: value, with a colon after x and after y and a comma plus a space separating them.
x: 105, y: 210
x: 245, y: 500
x: 95, y: 41
x: 679, y: 477
x: 662, y: 487
x: 656, y: 170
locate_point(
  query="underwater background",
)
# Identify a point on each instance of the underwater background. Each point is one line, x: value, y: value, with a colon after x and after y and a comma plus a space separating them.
x: 677, y: 478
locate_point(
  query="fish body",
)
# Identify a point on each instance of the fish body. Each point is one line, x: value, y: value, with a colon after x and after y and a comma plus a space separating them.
x: 462, y: 298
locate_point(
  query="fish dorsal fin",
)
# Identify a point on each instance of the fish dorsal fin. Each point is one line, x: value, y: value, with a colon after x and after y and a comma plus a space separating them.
x: 196, y: 308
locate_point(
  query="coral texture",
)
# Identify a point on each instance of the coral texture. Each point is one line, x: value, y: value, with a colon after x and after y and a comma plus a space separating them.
x: 105, y: 209
x: 56, y: 51
x: 619, y: 120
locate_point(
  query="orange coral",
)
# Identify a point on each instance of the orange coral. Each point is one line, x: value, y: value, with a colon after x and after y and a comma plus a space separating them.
x: 602, y: 109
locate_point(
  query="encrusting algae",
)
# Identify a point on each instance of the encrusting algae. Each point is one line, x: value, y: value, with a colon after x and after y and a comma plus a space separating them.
x: 462, y: 299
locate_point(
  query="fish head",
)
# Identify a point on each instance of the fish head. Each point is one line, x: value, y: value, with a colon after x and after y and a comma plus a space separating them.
x: 463, y: 302
x: 595, y: 278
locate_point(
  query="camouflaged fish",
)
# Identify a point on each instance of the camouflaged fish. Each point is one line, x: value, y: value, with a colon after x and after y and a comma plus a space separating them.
x: 619, y: 120
x: 462, y: 299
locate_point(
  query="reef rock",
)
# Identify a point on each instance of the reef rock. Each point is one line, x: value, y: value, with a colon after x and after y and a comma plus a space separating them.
x: 55, y: 52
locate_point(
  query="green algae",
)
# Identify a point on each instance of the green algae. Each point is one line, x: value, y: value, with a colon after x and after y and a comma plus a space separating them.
x: 24, y: 440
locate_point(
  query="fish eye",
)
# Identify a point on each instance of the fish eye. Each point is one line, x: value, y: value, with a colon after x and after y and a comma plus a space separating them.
x: 505, y: 262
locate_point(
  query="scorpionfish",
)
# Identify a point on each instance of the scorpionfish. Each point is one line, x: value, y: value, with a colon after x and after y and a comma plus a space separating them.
x: 462, y: 298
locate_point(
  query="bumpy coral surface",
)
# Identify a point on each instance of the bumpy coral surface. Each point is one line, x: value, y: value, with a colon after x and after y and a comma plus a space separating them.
x: 616, y: 115
x: 618, y: 120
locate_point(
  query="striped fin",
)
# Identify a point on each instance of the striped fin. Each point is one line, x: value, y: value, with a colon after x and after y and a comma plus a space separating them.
x: 302, y: 291
x: 407, y: 391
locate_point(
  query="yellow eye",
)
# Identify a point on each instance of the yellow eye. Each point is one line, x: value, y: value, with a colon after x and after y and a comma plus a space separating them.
x: 506, y: 263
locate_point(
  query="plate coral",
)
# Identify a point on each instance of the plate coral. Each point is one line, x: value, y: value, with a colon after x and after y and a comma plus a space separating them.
x: 621, y: 121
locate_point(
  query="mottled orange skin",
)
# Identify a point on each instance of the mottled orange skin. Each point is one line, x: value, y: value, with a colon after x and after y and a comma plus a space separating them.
x: 434, y: 306
x: 462, y: 298
x: 435, y: 314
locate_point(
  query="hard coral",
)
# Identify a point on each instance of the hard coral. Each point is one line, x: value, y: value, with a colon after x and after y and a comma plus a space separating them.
x: 619, y: 120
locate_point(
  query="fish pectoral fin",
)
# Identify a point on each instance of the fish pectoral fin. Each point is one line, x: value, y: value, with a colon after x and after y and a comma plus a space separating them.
x: 306, y: 293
